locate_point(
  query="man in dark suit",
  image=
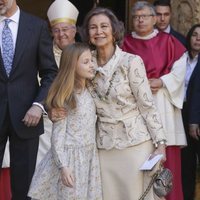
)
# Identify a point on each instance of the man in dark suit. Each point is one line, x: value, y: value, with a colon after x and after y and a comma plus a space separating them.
x: 29, y: 53
x: 191, y: 114
x: 163, y: 12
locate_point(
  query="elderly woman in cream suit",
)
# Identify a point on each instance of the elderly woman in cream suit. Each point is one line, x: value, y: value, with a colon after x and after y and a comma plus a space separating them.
x: 129, y: 126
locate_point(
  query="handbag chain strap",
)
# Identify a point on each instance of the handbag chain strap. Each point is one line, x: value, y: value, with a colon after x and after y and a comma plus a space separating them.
x: 149, y: 186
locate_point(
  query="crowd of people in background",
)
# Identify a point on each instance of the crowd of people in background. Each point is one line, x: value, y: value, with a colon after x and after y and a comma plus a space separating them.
x: 78, y: 119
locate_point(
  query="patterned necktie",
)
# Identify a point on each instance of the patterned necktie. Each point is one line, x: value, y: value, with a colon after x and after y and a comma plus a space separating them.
x: 7, y: 47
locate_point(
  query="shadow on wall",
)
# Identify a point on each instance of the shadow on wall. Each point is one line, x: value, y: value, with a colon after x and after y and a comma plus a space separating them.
x: 117, y: 6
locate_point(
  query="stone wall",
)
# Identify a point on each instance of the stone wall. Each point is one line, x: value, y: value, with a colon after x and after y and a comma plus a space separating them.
x: 185, y: 13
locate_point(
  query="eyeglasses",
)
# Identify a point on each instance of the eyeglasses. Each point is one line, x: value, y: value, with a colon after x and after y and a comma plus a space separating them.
x: 62, y: 30
x: 138, y: 17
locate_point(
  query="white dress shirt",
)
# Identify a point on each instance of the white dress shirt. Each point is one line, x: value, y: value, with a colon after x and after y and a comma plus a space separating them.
x: 191, y: 63
x: 13, y: 25
x: 167, y: 30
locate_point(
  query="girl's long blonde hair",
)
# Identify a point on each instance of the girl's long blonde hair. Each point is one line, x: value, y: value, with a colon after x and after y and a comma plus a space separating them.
x: 61, y: 91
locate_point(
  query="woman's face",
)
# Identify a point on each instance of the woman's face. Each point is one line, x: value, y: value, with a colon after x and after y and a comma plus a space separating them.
x: 100, y: 31
x: 195, y: 40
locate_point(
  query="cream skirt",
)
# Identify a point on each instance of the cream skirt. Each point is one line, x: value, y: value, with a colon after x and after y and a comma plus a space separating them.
x: 121, y: 177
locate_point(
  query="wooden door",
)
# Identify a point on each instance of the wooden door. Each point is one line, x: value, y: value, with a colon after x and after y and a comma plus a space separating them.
x: 36, y: 7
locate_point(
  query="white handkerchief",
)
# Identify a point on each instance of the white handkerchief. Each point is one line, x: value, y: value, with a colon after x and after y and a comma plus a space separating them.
x: 150, y: 163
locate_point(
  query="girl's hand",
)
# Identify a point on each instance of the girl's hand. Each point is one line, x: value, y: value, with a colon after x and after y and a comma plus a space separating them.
x: 67, y: 177
x: 57, y: 114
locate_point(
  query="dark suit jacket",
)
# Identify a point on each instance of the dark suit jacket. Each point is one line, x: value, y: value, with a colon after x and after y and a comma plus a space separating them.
x: 179, y: 36
x: 193, y: 96
x: 33, y: 54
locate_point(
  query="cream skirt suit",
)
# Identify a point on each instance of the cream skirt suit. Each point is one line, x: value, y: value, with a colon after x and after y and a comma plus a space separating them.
x: 128, y: 125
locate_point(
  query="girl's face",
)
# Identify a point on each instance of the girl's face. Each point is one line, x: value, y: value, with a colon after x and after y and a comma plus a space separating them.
x: 85, y: 68
x: 100, y: 31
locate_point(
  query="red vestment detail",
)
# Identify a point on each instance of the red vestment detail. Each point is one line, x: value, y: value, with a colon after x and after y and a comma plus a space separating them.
x: 158, y: 53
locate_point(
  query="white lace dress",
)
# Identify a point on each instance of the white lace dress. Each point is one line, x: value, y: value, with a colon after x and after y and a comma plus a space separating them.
x: 73, y: 145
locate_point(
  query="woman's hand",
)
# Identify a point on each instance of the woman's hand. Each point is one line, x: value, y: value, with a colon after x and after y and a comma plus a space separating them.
x: 67, y: 177
x: 161, y: 149
x: 56, y: 114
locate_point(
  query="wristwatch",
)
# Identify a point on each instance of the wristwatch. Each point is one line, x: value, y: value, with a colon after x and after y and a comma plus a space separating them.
x: 160, y: 142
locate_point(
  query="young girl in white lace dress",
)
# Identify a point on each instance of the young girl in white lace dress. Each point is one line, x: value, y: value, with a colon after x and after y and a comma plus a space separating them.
x: 70, y: 170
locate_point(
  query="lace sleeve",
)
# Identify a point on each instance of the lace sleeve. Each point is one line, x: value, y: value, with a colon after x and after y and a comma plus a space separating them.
x: 141, y: 90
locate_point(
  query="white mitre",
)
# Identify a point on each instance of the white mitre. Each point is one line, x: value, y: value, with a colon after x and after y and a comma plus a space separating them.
x: 62, y: 11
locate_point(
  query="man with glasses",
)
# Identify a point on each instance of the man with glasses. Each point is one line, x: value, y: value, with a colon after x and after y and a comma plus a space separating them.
x: 163, y: 12
x: 62, y: 15
x: 165, y: 63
